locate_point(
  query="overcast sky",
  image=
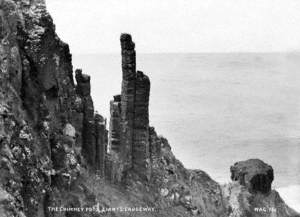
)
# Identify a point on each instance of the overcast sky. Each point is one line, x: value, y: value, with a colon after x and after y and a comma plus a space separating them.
x: 94, y: 26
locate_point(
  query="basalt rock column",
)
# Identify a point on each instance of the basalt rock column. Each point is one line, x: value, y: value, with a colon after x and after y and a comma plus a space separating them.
x: 114, y: 125
x: 127, y: 99
x: 83, y: 89
x: 140, y: 147
x: 100, y: 135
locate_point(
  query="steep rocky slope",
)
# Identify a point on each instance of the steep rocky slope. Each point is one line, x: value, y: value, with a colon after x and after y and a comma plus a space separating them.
x: 58, y: 159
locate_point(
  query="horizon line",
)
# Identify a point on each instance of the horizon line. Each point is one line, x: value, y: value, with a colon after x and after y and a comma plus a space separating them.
x: 204, y: 52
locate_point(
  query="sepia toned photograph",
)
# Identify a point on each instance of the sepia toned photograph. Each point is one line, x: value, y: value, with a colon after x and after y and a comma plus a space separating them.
x: 158, y: 108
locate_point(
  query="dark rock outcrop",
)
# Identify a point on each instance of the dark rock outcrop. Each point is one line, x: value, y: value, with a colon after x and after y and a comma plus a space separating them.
x: 256, y: 175
x: 83, y: 87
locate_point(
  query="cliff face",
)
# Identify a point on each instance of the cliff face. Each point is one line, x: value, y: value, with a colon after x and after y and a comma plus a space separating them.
x: 56, y: 152
x: 38, y: 106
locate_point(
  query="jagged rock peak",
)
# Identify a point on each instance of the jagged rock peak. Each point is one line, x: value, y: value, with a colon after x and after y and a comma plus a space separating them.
x: 83, y: 83
x: 81, y: 77
x: 142, y: 76
x: 117, y: 98
x: 126, y: 42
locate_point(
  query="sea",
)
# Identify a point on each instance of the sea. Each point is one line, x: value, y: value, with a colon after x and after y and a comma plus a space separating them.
x: 217, y: 108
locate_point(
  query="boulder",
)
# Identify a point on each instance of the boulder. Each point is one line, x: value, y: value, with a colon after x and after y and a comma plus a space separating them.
x: 254, y: 174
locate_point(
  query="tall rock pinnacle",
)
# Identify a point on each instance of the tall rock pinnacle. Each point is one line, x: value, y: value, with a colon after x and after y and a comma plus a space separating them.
x: 127, y: 98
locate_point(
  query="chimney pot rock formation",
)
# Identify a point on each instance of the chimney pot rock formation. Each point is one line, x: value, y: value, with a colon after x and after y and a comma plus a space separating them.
x: 129, y: 123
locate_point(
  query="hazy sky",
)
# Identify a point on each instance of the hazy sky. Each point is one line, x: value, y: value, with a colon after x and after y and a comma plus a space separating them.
x: 94, y: 26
